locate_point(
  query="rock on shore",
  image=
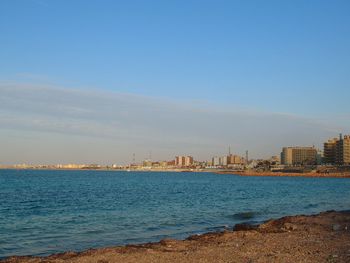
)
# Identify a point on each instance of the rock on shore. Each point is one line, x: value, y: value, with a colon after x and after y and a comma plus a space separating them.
x: 319, y: 238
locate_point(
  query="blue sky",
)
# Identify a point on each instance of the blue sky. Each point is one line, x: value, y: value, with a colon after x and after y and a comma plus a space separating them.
x: 276, y: 57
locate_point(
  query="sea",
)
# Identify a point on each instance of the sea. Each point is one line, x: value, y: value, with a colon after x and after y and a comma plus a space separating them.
x: 50, y: 211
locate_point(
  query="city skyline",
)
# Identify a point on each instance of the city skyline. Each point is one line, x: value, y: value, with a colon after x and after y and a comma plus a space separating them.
x: 89, y: 82
x: 106, y: 127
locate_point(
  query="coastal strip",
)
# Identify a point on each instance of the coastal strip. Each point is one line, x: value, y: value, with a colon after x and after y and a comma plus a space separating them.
x: 324, y: 237
x: 216, y: 171
x: 286, y: 174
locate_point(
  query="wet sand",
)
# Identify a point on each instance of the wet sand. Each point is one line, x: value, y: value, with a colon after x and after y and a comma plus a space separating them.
x: 319, y: 238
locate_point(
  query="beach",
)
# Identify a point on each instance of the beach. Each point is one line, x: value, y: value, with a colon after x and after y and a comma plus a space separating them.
x: 324, y: 237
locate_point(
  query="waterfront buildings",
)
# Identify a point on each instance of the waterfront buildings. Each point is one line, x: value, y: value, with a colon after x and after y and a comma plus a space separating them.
x: 216, y: 161
x: 275, y: 160
x: 223, y: 160
x: 234, y: 159
x: 227, y: 160
x: 342, y: 156
x: 147, y: 163
x: 319, y: 157
x: 219, y: 161
x: 329, y: 151
x: 299, y: 156
x: 346, y: 150
x: 183, y: 161
x: 337, y: 150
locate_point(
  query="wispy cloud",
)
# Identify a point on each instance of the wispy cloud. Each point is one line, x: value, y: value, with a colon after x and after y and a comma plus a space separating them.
x: 72, y: 120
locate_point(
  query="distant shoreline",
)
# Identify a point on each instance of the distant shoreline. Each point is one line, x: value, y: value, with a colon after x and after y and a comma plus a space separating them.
x: 215, y: 171
x: 113, y: 170
x: 314, y: 238
x: 283, y: 174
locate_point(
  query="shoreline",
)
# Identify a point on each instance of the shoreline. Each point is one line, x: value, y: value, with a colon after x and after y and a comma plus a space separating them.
x: 219, y: 171
x: 284, y: 174
x: 324, y: 237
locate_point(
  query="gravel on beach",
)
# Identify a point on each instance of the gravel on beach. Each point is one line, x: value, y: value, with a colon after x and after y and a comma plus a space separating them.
x: 318, y: 238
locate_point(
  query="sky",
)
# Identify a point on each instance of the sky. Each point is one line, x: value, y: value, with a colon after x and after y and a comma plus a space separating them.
x: 96, y: 81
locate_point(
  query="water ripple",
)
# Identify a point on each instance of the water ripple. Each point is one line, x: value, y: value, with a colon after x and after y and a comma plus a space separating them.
x: 44, y: 212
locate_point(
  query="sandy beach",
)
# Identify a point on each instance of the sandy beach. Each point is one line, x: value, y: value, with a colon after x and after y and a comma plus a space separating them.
x: 318, y: 238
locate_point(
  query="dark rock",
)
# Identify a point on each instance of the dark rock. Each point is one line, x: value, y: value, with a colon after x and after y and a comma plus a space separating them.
x: 244, y: 227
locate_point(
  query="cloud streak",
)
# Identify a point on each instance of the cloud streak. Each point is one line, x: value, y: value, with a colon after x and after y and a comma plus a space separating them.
x: 107, y: 127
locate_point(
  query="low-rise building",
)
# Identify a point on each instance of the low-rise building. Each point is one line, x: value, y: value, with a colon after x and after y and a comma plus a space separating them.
x: 147, y: 163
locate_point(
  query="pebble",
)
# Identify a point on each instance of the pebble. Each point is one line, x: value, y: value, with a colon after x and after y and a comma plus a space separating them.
x: 289, y: 226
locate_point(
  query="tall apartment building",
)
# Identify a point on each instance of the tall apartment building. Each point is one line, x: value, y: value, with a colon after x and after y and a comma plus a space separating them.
x: 346, y: 149
x: 227, y: 160
x: 234, y: 159
x: 337, y: 150
x: 219, y: 161
x: 329, y: 151
x: 299, y: 156
x: 216, y: 161
x: 223, y: 160
x: 183, y: 161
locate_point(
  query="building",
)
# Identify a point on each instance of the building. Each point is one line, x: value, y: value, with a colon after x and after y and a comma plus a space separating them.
x: 171, y: 163
x: 319, y: 157
x: 342, y: 154
x: 223, y: 160
x: 299, y: 156
x: 183, y: 161
x: 227, y: 160
x: 329, y: 151
x: 216, y: 161
x: 163, y: 163
x: 234, y: 159
x: 337, y: 150
x: 147, y: 163
x: 346, y: 150
x: 275, y: 160
x: 219, y: 161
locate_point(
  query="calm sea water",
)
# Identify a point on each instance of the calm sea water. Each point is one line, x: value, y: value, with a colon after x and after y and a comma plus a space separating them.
x: 45, y: 212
